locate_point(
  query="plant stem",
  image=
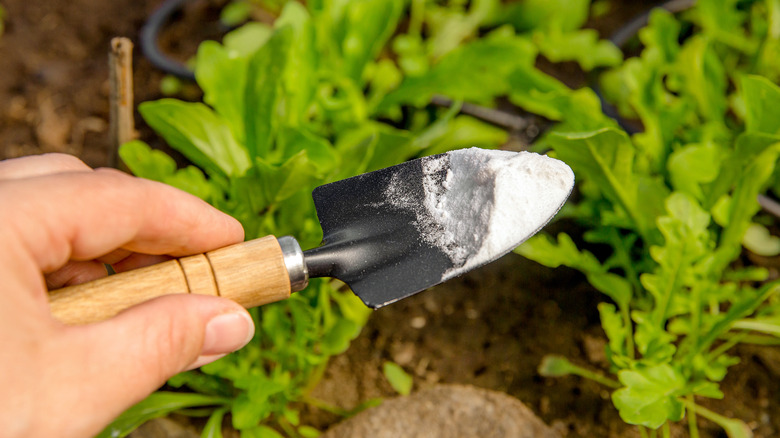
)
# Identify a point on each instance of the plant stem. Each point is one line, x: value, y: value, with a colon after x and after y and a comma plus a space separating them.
x: 734, y: 428
x: 592, y: 375
x: 666, y: 431
x: 642, y: 432
x: 693, y: 428
x: 724, y: 347
x: 416, y: 16
x: 753, y: 339
x: 625, y: 312
x: 327, y: 407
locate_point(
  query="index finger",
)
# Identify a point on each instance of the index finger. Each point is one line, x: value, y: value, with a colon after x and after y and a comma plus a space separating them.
x: 85, y: 215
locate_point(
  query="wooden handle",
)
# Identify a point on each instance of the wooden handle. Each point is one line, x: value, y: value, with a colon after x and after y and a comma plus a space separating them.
x: 251, y: 273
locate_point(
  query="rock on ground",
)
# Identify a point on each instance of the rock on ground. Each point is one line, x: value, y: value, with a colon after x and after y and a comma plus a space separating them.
x: 446, y: 411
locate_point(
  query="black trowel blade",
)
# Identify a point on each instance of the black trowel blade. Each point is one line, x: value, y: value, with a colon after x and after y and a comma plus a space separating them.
x: 372, y: 245
x: 387, y: 237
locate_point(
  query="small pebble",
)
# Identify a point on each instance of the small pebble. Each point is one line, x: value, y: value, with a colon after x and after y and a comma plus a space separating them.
x: 418, y: 322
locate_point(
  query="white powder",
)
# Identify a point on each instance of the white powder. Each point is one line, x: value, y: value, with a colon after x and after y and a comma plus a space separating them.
x: 480, y: 204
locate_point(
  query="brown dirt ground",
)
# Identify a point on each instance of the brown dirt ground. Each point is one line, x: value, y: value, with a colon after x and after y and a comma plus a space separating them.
x: 489, y: 328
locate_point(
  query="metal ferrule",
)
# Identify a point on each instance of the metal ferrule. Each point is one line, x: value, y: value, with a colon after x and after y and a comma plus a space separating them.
x: 294, y: 262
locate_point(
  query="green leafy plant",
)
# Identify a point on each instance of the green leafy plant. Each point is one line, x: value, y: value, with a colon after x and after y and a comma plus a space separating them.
x: 331, y: 90
x: 674, y: 204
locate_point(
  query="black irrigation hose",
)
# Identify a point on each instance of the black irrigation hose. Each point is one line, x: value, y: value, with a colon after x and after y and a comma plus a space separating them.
x: 621, y: 36
x: 149, y: 44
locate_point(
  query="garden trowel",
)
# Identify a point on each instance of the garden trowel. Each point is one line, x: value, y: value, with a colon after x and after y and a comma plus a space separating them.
x: 387, y: 234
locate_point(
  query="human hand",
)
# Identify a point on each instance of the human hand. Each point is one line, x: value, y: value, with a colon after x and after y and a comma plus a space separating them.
x: 59, y: 222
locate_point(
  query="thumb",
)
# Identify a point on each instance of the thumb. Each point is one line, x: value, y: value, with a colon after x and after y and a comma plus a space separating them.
x: 134, y: 353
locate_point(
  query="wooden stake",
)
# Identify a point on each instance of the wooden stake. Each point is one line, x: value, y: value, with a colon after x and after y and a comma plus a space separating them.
x: 122, y: 127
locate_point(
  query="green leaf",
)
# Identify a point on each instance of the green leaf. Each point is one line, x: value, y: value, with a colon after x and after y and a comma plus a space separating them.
x: 448, y: 27
x: 613, y: 326
x: 555, y: 366
x: 263, y: 92
x: 606, y: 157
x: 260, y: 432
x: 213, y: 427
x: 613, y: 286
x: 546, y: 14
x: 158, y: 404
x: 235, y: 13
x: 197, y: 132
x: 170, y: 85
x: 759, y: 241
x: 369, y: 24
x: 582, y: 46
x: 145, y: 162
x: 157, y: 166
x: 761, y: 97
x: 694, y: 165
x: 704, y: 77
x: 539, y: 93
x: 752, y: 179
x: 255, y: 404
x: 465, y: 131
x: 373, y: 146
x: 337, y: 339
x: 308, y: 432
x: 301, y: 73
x: 319, y: 151
x: 490, y: 60
x: 222, y: 78
x: 245, y: 40
x: 541, y: 249
x: 398, y: 378
x: 649, y: 396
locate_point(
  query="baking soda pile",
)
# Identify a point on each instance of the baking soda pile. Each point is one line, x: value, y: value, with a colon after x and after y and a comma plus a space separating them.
x: 480, y: 204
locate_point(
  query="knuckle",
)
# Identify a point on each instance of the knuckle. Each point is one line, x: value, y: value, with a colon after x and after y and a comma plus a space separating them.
x: 64, y: 162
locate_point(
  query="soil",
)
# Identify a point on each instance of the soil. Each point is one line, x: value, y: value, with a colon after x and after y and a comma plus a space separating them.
x: 490, y: 328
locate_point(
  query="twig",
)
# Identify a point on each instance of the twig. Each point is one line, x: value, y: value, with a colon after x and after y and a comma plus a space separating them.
x: 122, y: 127
x: 507, y: 121
x: 769, y: 205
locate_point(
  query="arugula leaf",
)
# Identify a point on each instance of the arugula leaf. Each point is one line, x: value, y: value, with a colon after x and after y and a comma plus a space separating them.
x: 693, y: 166
x: 583, y: 46
x: 545, y: 14
x: 649, y: 396
x: 606, y: 157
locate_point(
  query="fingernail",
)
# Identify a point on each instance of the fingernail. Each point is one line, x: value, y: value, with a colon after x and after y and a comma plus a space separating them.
x: 226, y: 333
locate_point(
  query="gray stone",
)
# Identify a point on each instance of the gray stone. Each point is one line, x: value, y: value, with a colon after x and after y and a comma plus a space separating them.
x: 164, y: 428
x: 446, y: 411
